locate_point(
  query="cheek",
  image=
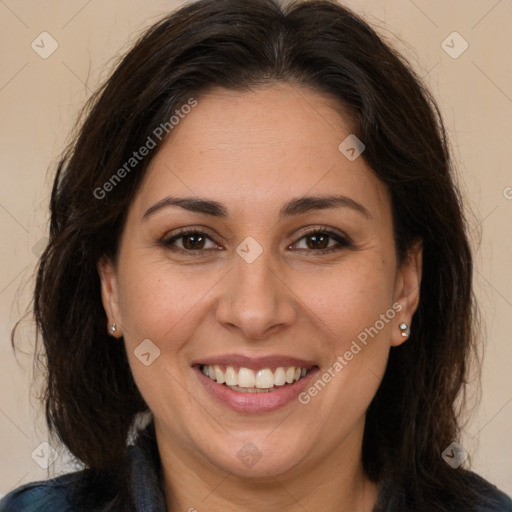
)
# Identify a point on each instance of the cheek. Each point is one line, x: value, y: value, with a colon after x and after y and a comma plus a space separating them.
x: 162, y: 305
x: 353, y: 307
x: 158, y: 301
x: 349, y: 298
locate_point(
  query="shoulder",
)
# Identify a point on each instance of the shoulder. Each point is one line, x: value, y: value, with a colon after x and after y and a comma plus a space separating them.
x: 52, y: 495
x: 468, y: 492
x: 492, y: 498
x: 114, y: 489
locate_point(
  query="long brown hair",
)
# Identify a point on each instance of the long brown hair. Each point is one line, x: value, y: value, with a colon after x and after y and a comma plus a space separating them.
x: 90, y: 395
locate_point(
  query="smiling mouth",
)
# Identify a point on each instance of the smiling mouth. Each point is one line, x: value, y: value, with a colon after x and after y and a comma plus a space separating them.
x: 247, y: 380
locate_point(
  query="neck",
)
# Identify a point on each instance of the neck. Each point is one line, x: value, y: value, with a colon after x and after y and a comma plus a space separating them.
x: 335, y: 483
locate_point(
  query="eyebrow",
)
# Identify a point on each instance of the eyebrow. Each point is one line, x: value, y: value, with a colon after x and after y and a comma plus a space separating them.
x: 294, y: 207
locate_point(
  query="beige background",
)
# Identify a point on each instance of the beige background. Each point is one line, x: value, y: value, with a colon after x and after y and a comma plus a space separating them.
x: 39, y: 99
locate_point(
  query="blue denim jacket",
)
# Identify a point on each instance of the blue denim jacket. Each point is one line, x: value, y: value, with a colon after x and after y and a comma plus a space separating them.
x: 59, y: 494
x: 144, y: 467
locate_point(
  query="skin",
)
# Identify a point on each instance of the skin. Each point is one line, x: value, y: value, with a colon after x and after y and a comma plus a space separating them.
x: 253, y: 152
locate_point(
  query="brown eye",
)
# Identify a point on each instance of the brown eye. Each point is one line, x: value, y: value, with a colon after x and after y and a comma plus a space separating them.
x: 317, y: 241
x: 195, y: 241
x: 189, y: 241
x: 321, y: 241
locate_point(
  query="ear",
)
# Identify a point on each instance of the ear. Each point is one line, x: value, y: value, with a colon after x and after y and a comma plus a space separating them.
x: 407, y: 290
x: 109, y: 293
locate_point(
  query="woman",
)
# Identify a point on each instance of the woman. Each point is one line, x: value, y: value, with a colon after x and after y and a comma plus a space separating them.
x: 256, y: 245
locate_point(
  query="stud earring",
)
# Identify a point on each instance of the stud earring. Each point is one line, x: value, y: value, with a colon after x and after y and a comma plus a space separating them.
x: 404, y: 328
x: 112, y: 329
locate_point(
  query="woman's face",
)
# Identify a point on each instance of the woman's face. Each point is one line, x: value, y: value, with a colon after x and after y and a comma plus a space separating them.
x: 253, y: 291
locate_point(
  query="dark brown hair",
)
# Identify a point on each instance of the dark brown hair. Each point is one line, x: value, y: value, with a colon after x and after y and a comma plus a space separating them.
x: 90, y: 395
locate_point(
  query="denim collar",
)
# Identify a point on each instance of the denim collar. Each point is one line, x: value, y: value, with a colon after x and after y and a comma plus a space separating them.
x: 145, y: 478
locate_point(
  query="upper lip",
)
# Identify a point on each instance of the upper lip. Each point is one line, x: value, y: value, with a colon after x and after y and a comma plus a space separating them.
x: 255, y: 363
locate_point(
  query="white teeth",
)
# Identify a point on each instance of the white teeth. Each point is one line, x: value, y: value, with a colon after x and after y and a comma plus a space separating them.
x: 246, y: 378
x: 252, y: 381
x: 280, y: 376
x: 231, y: 376
x: 252, y: 390
x: 264, y: 379
x: 290, y: 375
x: 219, y: 375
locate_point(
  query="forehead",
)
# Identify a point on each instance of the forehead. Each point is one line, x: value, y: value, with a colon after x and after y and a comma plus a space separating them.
x: 258, y: 148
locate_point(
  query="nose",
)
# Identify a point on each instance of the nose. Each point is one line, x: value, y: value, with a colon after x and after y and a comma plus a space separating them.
x: 255, y: 299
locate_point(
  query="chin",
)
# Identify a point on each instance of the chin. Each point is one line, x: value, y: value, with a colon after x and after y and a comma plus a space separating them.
x: 253, y: 456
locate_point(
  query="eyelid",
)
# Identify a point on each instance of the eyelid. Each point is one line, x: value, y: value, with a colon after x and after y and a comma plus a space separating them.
x: 308, y: 230
x: 340, y: 237
x: 167, y: 239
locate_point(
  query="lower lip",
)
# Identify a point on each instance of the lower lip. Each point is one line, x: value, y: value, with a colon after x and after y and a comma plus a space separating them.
x: 254, y: 402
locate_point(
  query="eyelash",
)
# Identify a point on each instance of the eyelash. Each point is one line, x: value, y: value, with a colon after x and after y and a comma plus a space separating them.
x: 343, y: 241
